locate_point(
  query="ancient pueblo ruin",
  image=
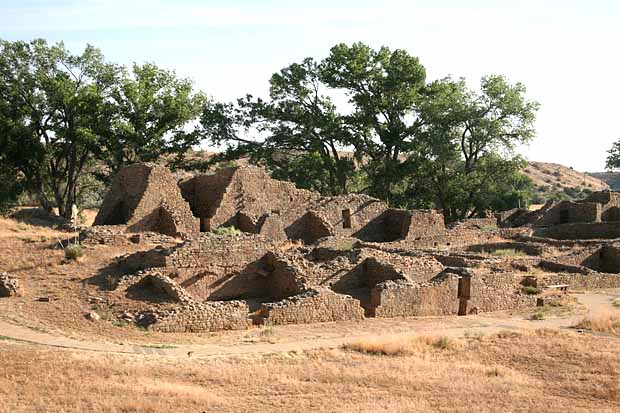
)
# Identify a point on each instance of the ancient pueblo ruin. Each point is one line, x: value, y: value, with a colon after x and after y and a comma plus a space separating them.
x: 236, y: 247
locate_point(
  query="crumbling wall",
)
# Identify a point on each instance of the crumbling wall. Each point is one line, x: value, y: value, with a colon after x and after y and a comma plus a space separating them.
x: 570, y: 212
x: 581, y: 231
x: 400, y: 224
x: 146, y: 197
x: 221, y: 267
x: 313, y: 306
x: 200, y: 317
x: 285, y: 278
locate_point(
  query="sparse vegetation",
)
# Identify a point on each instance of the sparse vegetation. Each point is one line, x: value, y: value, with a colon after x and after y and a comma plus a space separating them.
x: 74, y: 252
x: 538, y: 316
x: 530, y: 290
x: 506, y: 252
x: 226, y: 231
x: 615, y: 302
x: 397, y: 346
x: 607, y: 322
x: 501, y: 371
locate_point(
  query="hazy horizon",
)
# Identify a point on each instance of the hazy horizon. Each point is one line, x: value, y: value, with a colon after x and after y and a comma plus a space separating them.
x: 561, y: 50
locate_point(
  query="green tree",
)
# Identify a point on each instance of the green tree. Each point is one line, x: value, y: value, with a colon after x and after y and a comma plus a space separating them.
x: 465, y: 160
x: 613, y: 157
x: 152, y: 109
x: 61, y: 112
x: 385, y: 88
x: 297, y: 133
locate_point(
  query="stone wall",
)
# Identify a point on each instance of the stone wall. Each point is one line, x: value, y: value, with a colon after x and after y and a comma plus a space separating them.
x: 313, y: 306
x: 200, y: 317
x: 221, y: 267
x: 497, y: 291
x: 571, y: 212
x: 442, y: 295
x: 146, y: 197
x: 581, y: 231
x: 402, y: 298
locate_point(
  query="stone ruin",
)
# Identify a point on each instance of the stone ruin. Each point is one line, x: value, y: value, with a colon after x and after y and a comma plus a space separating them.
x: 298, y: 257
x: 148, y: 198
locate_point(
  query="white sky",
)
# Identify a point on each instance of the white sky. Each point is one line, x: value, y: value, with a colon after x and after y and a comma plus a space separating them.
x: 565, y: 52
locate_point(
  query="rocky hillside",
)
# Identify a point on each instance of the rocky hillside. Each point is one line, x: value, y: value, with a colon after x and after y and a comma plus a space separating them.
x: 554, y: 181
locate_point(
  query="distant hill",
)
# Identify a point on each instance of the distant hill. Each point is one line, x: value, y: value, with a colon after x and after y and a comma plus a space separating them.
x: 610, y: 178
x: 558, y: 182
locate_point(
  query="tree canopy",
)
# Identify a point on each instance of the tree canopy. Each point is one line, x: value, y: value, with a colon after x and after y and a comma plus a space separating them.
x: 60, y: 113
x: 411, y: 143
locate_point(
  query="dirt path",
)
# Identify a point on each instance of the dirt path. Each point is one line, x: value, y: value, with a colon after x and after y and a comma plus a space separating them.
x: 594, y: 303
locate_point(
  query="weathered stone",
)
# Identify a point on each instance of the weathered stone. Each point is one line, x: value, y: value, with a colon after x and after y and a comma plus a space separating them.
x: 9, y: 285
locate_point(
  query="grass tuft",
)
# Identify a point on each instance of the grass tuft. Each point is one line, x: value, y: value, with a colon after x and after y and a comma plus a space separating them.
x: 74, y: 252
x: 537, y: 316
x: 529, y: 290
x: 397, y: 346
x: 226, y: 231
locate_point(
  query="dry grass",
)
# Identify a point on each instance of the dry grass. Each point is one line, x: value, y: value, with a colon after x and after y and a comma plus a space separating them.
x: 507, y: 252
x: 606, y: 322
x: 504, y: 372
x: 398, y: 346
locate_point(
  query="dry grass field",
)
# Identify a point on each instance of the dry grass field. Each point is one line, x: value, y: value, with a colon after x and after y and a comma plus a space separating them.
x: 533, y: 371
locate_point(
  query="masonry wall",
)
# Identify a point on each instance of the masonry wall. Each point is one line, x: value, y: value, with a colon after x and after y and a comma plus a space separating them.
x: 572, y: 212
x: 402, y: 298
x: 201, y: 317
x: 581, y: 231
x: 222, y: 267
x: 314, y: 306
x: 146, y: 197
x: 495, y: 292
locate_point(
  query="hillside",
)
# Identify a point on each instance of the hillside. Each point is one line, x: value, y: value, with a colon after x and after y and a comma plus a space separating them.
x: 610, y: 178
x: 555, y: 181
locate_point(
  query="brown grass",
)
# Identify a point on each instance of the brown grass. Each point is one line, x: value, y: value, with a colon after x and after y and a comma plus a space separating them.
x: 505, y: 372
x: 606, y: 322
x: 398, y: 346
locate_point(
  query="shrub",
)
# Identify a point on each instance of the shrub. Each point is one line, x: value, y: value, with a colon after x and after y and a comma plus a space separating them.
x: 442, y: 343
x: 529, y: 290
x: 537, y: 316
x: 226, y: 231
x: 74, y: 252
x: 615, y: 302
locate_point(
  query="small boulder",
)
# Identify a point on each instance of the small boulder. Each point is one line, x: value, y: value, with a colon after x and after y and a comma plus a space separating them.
x: 92, y: 316
x: 9, y: 285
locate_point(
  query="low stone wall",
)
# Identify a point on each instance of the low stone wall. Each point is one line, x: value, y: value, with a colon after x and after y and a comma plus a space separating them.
x: 581, y: 231
x: 200, y: 317
x: 496, y: 292
x: 402, y: 298
x: 117, y: 235
x: 314, y: 306
x: 592, y: 280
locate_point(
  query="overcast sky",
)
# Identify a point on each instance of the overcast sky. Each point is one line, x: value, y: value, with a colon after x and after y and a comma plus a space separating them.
x: 566, y: 52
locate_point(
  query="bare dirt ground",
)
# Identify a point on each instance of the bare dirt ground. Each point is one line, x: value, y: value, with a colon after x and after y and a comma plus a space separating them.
x: 53, y: 359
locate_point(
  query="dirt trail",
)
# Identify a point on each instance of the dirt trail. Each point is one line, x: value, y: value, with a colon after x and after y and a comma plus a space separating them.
x: 595, y: 303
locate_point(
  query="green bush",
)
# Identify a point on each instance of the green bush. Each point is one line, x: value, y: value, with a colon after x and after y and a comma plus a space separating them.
x: 529, y: 290
x: 537, y: 316
x: 74, y: 252
x: 226, y: 231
